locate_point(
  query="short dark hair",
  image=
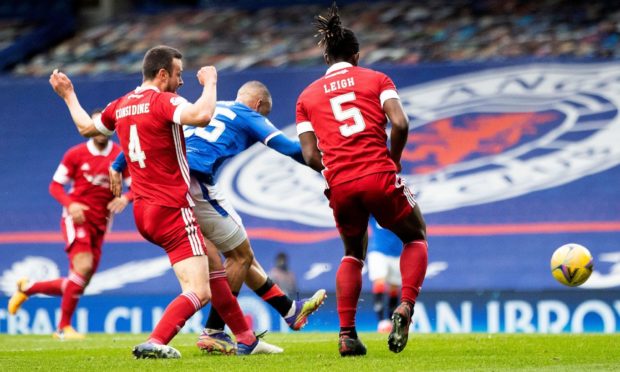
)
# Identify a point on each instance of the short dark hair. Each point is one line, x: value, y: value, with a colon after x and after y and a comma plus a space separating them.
x: 157, y: 58
x: 339, y: 42
x: 97, y: 110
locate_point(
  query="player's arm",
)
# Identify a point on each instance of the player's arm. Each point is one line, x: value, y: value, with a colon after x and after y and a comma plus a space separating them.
x: 400, y: 128
x: 118, y: 204
x: 310, y: 151
x: 286, y: 146
x: 263, y: 129
x: 64, y: 88
x: 63, y: 176
x: 115, y: 173
x: 307, y: 139
x: 199, y: 113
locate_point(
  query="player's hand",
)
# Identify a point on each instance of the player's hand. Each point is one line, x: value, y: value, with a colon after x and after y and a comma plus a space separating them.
x: 61, y: 83
x: 206, y: 75
x: 117, y: 205
x: 76, y: 211
x: 116, y: 186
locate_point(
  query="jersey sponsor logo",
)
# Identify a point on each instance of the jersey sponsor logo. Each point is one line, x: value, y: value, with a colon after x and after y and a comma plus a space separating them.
x: 475, y: 138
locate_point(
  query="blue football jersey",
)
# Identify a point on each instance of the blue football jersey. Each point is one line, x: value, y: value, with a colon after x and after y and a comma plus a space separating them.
x: 383, y: 240
x: 234, y: 128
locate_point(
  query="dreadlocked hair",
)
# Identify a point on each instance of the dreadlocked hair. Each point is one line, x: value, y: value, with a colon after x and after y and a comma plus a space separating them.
x: 339, y: 42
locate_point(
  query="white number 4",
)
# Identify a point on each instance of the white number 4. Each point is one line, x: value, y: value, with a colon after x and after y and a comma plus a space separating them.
x: 135, y: 151
x: 350, y: 113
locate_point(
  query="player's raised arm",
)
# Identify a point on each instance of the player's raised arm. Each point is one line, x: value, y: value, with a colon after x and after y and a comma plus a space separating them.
x: 400, y: 128
x: 63, y: 86
x: 199, y: 113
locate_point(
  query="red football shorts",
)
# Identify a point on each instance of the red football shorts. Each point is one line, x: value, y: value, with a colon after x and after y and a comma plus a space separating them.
x: 81, y: 238
x: 384, y: 194
x: 173, y: 229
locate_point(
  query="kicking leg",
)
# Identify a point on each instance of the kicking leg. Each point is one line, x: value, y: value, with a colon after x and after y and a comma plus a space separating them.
x: 295, y: 313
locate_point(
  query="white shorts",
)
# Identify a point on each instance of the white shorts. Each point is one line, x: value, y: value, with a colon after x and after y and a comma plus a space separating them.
x: 385, y: 267
x: 218, y: 220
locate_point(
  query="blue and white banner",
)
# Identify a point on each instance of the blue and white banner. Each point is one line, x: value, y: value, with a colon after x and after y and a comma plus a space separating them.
x: 448, y: 312
x: 508, y: 162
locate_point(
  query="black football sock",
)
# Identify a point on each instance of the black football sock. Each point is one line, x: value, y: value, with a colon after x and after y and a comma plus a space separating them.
x: 392, y: 303
x: 348, y: 331
x: 273, y: 295
x: 378, y: 305
x: 215, y: 321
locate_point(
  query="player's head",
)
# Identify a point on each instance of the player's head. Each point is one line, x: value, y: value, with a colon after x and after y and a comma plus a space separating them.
x: 163, y: 65
x: 339, y: 43
x: 101, y: 140
x: 256, y: 96
x: 282, y: 261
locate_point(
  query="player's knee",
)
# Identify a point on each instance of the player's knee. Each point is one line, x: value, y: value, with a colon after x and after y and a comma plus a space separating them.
x: 242, y: 255
x: 85, y: 269
x: 204, y: 295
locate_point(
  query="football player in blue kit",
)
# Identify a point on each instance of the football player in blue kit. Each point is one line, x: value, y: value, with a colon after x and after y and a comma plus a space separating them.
x: 384, y: 249
x: 236, y: 125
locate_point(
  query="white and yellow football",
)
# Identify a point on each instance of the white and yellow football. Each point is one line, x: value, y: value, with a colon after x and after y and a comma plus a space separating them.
x: 572, y: 264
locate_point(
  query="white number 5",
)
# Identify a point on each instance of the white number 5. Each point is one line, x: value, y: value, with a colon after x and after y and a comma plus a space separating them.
x: 350, y: 113
x: 135, y: 151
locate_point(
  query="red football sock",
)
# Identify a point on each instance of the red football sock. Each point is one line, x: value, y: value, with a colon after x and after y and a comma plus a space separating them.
x: 50, y: 287
x: 227, y: 306
x: 348, y: 288
x: 75, y: 285
x: 174, y: 317
x: 413, y: 263
x: 273, y: 295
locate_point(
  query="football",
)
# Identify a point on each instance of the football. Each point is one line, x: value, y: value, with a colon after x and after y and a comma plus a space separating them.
x: 571, y: 264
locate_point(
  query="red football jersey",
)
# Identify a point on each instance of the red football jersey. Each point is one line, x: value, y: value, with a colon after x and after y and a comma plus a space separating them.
x: 87, y: 169
x: 344, y: 108
x: 148, y: 125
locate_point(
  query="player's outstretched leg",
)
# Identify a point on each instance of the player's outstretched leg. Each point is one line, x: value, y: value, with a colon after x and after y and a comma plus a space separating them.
x: 304, y: 308
x: 401, y: 320
x: 19, y: 297
x: 151, y: 350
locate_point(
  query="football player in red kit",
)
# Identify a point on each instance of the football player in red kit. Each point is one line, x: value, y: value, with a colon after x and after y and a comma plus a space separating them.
x: 149, y: 123
x: 87, y: 213
x: 341, y: 123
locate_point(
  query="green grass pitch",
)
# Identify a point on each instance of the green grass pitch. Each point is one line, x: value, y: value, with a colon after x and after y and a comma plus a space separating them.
x: 318, y: 352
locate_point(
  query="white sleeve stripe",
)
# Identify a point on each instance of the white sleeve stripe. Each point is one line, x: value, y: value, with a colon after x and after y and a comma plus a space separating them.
x: 62, y: 175
x: 303, y: 127
x: 387, y: 94
x: 63, y: 180
x: 102, y: 128
x: 269, y: 137
x: 177, y: 113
